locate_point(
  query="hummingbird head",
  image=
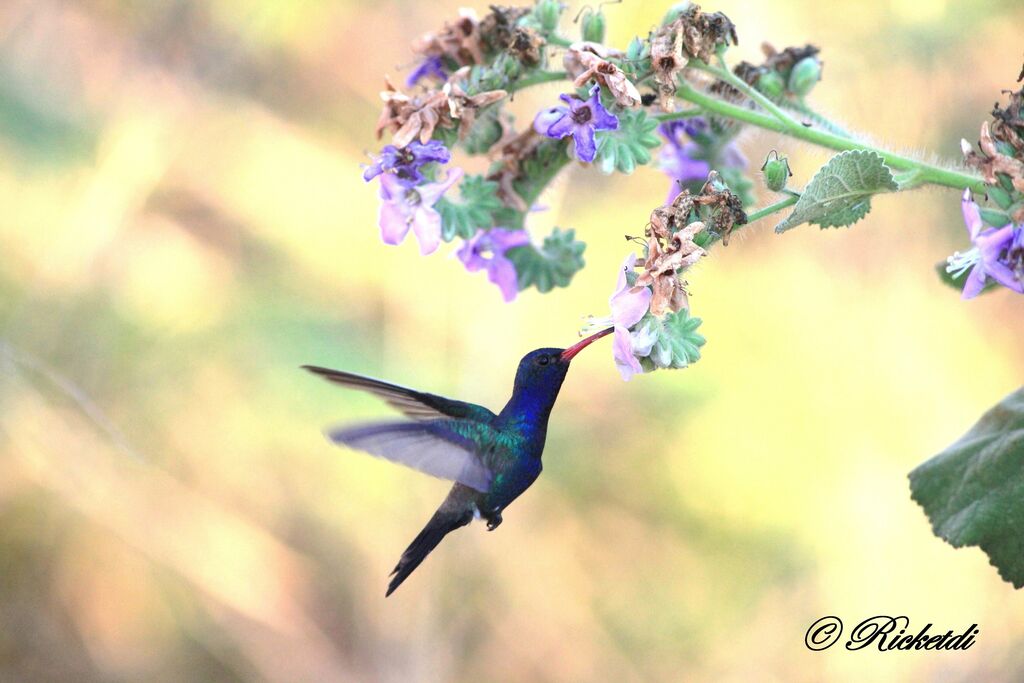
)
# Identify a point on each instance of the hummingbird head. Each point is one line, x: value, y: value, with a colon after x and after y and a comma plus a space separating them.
x: 547, y: 367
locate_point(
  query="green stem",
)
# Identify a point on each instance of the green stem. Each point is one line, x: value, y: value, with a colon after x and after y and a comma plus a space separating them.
x: 559, y: 41
x: 682, y: 114
x: 800, y: 107
x: 772, y: 208
x: 723, y: 73
x: 928, y: 173
x: 536, y: 78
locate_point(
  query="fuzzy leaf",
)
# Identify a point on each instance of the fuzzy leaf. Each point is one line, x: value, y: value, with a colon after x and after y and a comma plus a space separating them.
x: 676, y: 340
x: 840, y: 192
x: 553, y: 265
x: 475, y: 211
x: 973, y: 492
x: 627, y: 147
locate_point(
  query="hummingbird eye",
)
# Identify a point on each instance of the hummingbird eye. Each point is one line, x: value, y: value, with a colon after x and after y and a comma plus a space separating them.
x: 543, y: 360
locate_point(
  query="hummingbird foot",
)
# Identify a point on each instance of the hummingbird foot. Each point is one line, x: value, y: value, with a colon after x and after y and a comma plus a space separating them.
x: 493, y: 520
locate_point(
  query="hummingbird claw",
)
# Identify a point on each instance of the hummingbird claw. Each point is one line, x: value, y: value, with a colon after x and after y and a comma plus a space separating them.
x: 494, y: 521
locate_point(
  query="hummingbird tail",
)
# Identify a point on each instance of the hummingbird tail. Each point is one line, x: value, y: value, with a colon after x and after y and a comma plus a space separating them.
x: 445, y: 520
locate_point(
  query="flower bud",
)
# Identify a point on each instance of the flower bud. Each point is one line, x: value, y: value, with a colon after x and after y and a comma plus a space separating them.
x: 547, y: 14
x: 593, y: 26
x: 776, y: 172
x: 999, y: 196
x: 771, y: 84
x: 674, y: 12
x: 804, y: 76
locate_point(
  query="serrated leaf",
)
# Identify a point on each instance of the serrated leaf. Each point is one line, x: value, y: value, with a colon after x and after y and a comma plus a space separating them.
x: 628, y: 146
x: 479, y: 201
x: 676, y: 342
x: 973, y: 492
x: 553, y: 265
x: 840, y: 192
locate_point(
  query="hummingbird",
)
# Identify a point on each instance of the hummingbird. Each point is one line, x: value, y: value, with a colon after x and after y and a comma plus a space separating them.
x: 492, y: 458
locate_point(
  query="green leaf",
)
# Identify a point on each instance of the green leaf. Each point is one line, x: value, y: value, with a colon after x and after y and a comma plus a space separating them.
x: 553, y: 265
x: 840, y: 192
x: 676, y: 342
x: 475, y: 211
x: 627, y: 147
x: 973, y: 492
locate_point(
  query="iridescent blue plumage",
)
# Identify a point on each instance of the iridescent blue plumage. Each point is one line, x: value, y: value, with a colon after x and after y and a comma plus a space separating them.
x: 491, y: 458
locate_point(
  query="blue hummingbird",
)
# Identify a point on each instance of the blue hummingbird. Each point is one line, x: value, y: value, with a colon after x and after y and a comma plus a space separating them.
x: 492, y: 458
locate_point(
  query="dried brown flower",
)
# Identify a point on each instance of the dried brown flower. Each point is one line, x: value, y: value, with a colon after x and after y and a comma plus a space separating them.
x: 459, y: 41
x: 666, y: 256
x: 784, y: 61
x: 416, y: 116
x: 498, y: 29
x: 693, y: 34
x: 582, y: 62
x: 511, y: 152
x: 1008, y: 122
x: 991, y: 161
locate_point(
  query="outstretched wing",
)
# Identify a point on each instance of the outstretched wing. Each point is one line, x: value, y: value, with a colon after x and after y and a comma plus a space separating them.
x: 416, y: 404
x: 430, y: 448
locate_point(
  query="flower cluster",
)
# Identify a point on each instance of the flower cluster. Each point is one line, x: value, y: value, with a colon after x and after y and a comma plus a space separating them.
x: 614, y: 109
x: 996, y: 234
x: 997, y: 255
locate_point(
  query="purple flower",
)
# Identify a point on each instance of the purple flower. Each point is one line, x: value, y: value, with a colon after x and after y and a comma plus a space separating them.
x: 405, y: 207
x: 629, y: 305
x: 486, y: 250
x: 682, y: 160
x: 995, y: 254
x: 405, y: 163
x: 430, y: 66
x: 581, y: 118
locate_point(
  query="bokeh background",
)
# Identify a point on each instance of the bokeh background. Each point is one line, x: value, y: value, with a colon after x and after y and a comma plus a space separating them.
x: 183, y: 223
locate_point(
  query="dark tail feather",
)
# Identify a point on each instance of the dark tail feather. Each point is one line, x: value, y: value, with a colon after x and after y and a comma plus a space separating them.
x: 443, y: 522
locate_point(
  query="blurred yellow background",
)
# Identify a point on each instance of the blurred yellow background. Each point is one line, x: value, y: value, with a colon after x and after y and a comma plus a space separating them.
x: 184, y: 223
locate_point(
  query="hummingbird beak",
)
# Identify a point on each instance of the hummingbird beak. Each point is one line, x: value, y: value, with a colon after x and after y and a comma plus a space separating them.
x: 570, y: 353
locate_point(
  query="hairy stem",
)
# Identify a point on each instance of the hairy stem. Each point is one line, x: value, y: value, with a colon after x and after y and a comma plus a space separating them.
x: 723, y: 73
x: 927, y: 173
x: 536, y: 78
x: 772, y: 208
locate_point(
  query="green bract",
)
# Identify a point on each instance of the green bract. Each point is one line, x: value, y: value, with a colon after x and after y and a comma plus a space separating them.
x: 676, y: 340
x: 475, y: 211
x: 627, y: 147
x: 804, y: 76
x: 840, y: 192
x: 973, y: 492
x: 593, y: 26
x: 553, y: 265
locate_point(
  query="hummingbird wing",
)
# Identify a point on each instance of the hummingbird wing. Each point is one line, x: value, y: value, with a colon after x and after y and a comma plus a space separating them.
x: 429, y: 447
x: 418, y: 405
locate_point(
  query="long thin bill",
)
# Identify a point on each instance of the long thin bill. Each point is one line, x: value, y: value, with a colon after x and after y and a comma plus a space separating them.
x: 571, y: 352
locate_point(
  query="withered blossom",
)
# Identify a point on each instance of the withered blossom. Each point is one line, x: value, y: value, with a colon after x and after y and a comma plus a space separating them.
x: 991, y: 161
x: 1007, y: 130
x: 510, y: 153
x: 459, y: 41
x: 498, y: 29
x: 582, y: 62
x: 416, y: 117
x: 666, y: 255
x: 719, y: 208
x: 693, y: 34
x: 464, y: 107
